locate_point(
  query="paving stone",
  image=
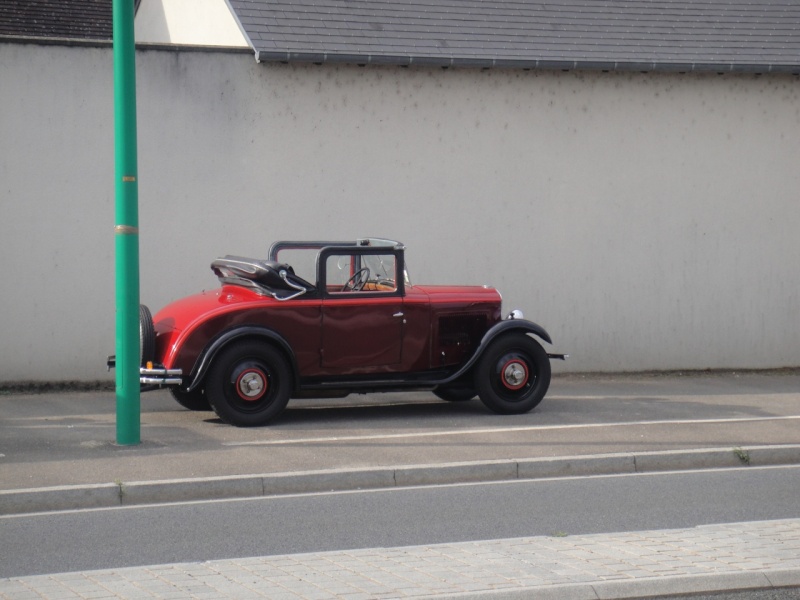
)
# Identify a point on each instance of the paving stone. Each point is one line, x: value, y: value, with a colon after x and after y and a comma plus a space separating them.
x: 694, y: 559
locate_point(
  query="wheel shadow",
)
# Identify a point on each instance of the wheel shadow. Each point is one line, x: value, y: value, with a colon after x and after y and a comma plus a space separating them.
x: 363, y: 413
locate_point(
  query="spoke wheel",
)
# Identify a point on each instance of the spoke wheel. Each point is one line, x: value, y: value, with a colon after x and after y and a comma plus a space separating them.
x: 249, y: 384
x: 513, y: 374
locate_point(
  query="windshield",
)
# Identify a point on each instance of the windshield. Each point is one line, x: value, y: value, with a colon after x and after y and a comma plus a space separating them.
x: 347, y: 273
x: 383, y: 267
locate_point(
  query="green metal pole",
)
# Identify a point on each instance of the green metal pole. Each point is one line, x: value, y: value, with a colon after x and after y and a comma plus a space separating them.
x: 126, y: 231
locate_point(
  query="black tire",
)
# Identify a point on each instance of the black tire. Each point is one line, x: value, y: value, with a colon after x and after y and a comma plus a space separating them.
x: 249, y: 384
x: 147, y: 335
x: 194, y: 400
x: 455, y: 393
x: 513, y: 374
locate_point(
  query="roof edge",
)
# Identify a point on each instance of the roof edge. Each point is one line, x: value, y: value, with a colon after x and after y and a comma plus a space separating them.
x: 549, y: 65
x: 54, y: 41
x: 140, y: 46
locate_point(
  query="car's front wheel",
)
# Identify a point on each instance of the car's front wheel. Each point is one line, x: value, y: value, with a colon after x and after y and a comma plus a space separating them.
x: 513, y: 374
x: 249, y: 384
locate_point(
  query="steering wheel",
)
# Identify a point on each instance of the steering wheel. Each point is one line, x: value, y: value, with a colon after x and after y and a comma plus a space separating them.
x: 357, y: 282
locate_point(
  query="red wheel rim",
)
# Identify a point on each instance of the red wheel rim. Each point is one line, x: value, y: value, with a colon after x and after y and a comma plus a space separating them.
x: 514, y: 374
x: 251, y: 385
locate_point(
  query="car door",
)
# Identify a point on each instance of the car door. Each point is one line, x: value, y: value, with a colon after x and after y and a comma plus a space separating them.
x: 362, y: 312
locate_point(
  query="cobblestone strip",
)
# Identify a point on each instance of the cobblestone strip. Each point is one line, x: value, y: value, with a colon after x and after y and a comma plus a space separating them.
x: 448, y: 569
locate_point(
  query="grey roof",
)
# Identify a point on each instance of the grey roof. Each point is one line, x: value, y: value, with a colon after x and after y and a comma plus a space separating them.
x: 642, y: 35
x: 72, y: 19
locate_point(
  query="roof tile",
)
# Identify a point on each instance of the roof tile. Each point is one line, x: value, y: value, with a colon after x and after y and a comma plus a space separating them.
x: 666, y: 34
x: 75, y: 19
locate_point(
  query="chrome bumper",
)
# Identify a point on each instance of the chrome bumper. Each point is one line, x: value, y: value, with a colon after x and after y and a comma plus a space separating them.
x: 160, y: 376
x: 153, y: 374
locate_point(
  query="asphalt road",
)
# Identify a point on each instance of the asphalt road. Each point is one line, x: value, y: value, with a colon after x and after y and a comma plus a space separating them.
x: 92, y: 539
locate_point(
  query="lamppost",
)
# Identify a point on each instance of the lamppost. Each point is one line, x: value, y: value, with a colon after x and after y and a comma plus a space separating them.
x: 126, y: 231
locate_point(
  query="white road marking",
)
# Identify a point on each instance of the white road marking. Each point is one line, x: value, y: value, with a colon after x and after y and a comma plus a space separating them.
x: 450, y: 432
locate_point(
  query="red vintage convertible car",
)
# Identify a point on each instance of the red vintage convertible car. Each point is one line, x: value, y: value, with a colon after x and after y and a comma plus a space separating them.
x: 352, y: 323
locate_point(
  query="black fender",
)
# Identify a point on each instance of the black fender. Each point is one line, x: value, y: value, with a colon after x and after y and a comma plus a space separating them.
x: 518, y: 324
x: 231, y: 335
x: 493, y: 333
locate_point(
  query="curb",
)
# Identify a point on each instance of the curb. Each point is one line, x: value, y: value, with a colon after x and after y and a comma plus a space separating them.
x: 113, y: 495
x: 676, y: 585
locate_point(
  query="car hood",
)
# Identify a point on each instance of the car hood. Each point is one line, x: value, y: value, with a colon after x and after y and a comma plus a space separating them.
x: 460, y: 293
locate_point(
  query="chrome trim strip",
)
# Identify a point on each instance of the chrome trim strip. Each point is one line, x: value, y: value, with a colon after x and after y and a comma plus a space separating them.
x: 160, y: 380
x: 156, y: 372
x: 160, y: 376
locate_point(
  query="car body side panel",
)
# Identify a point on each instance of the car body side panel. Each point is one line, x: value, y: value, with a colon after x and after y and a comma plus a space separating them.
x: 416, y: 330
x: 360, y: 336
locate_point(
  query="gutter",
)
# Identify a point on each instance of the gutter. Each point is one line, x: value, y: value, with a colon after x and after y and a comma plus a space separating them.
x: 526, y: 64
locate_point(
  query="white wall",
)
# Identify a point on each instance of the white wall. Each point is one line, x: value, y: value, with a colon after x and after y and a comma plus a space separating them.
x: 647, y: 221
x: 195, y: 22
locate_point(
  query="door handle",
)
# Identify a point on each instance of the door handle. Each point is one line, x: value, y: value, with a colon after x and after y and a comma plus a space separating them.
x: 398, y: 314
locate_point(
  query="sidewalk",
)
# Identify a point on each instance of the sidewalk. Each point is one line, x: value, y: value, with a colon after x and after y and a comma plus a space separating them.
x: 57, y: 452
x: 736, y: 556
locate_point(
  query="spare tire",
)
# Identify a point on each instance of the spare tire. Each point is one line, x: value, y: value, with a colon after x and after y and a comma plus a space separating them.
x: 147, y: 335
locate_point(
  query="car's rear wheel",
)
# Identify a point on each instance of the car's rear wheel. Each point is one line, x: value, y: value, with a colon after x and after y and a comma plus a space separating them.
x: 249, y: 384
x: 194, y: 400
x: 513, y: 374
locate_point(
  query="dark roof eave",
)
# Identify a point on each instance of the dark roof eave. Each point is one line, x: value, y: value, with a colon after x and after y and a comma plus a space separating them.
x: 548, y: 64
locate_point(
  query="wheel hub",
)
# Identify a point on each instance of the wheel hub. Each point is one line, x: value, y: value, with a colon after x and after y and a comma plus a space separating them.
x: 514, y: 374
x: 251, y: 384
